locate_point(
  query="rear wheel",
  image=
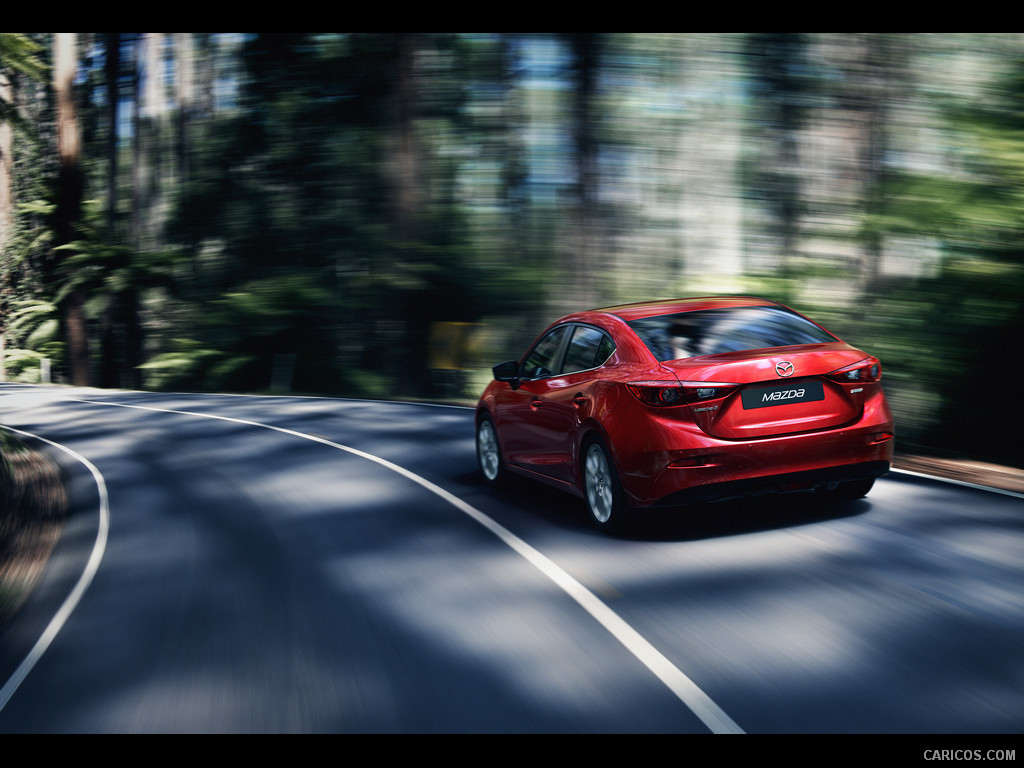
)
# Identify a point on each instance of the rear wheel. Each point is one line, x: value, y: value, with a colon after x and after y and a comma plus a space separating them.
x: 602, y: 491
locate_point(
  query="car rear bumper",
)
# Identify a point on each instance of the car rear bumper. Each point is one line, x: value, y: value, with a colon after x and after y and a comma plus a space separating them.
x: 719, y: 469
x: 782, y: 483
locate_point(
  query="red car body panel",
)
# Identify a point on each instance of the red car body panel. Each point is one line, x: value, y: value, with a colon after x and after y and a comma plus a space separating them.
x: 744, y: 438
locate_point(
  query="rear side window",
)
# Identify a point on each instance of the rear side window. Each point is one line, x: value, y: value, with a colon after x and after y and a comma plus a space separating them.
x: 588, y: 349
x: 730, y: 329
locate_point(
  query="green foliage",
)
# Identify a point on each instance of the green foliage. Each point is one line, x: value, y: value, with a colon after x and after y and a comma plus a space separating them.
x: 96, y: 266
x: 20, y: 53
x: 19, y: 56
x: 29, y: 319
x: 355, y: 189
x: 33, y: 333
x: 185, y: 365
x: 952, y: 338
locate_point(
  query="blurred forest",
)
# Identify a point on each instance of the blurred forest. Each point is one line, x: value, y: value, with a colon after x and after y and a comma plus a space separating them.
x: 388, y: 215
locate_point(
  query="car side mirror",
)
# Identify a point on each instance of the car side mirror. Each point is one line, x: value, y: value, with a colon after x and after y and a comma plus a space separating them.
x: 507, y: 372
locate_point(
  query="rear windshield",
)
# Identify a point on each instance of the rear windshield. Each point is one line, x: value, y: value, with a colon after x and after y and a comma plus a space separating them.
x: 731, y: 329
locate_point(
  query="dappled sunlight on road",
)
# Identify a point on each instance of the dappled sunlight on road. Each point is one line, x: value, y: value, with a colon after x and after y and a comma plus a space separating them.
x: 492, y: 610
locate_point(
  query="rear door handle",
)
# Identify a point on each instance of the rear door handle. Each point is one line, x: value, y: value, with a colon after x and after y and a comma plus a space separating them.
x: 579, y: 400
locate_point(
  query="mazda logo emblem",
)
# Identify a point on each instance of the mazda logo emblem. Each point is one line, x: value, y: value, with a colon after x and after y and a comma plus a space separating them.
x: 784, y: 368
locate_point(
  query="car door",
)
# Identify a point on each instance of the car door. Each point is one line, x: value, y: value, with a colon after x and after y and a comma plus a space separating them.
x: 517, y: 412
x: 545, y: 409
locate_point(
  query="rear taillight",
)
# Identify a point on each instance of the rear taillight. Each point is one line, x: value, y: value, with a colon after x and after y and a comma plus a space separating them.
x: 665, y: 394
x: 858, y: 373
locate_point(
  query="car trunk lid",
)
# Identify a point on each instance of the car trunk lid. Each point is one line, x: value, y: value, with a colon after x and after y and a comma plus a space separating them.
x: 779, y: 391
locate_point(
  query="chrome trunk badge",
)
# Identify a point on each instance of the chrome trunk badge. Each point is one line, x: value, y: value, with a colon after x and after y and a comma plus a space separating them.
x: 784, y: 368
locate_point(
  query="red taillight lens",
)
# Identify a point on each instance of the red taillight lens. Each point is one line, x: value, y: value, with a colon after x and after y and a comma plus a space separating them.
x: 858, y: 373
x: 658, y: 393
x: 664, y: 394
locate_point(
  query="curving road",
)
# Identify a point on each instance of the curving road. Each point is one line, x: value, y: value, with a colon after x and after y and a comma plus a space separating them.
x: 285, y: 564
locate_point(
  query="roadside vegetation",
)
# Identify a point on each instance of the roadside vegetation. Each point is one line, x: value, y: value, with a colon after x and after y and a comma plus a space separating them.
x: 33, y: 507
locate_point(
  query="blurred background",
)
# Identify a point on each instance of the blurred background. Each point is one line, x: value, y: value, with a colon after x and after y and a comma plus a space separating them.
x: 388, y: 215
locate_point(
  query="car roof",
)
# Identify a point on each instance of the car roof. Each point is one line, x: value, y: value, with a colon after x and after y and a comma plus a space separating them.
x: 629, y: 312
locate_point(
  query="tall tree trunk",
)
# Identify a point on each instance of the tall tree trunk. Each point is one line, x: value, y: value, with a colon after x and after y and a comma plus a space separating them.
x: 778, y: 67
x: 6, y: 198
x: 69, y: 198
x: 861, y: 97
x: 586, y: 52
x: 880, y: 72
x: 148, y: 150
x: 407, y: 184
x: 6, y: 166
x: 112, y: 45
x: 185, y: 98
x: 417, y: 304
x: 107, y: 374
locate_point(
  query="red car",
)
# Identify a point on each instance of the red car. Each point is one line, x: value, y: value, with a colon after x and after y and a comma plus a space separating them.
x: 669, y: 403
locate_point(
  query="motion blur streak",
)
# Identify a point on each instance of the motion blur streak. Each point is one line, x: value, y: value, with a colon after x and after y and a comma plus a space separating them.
x: 685, y: 689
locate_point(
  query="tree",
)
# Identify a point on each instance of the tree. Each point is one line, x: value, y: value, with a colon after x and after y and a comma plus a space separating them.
x: 778, y: 68
x: 585, y: 50
x: 70, y: 185
x: 19, y: 58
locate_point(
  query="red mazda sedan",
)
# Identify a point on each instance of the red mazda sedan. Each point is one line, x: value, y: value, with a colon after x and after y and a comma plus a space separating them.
x: 669, y: 403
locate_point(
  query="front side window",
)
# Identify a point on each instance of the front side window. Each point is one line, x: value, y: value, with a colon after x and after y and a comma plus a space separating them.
x: 543, y: 359
x: 730, y: 329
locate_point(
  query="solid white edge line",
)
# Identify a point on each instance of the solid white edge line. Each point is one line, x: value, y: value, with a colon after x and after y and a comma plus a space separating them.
x: 964, y: 483
x: 691, y: 695
x: 75, y: 596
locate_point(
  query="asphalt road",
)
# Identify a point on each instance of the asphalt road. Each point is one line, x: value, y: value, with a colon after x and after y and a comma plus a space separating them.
x: 277, y: 564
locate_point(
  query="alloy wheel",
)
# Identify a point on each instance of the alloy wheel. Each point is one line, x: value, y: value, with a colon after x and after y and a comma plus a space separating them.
x: 487, y: 451
x: 598, y: 483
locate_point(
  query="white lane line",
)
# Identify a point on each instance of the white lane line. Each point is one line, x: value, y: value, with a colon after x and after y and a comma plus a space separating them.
x: 709, y: 713
x: 75, y: 596
x: 963, y: 483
